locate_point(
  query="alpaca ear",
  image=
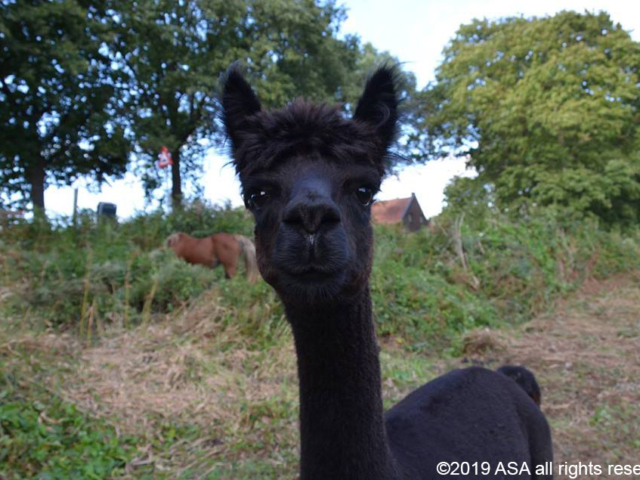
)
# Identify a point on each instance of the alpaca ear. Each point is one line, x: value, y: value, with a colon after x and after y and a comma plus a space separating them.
x: 378, y: 105
x: 238, y: 102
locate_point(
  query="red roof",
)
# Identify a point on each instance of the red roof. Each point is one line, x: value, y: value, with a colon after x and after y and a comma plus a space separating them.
x: 390, y: 211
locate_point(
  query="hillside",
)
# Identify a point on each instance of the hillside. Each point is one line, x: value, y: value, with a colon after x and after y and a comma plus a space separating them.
x: 164, y: 370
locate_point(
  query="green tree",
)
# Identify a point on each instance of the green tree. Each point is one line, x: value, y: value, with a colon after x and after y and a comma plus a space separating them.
x: 176, y: 52
x: 469, y: 197
x: 546, y: 109
x: 57, y: 99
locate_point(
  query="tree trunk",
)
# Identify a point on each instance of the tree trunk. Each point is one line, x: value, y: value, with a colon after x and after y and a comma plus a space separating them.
x: 176, y: 181
x: 35, y: 175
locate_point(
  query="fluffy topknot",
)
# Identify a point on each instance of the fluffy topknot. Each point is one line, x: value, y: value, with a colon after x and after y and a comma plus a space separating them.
x: 260, y: 137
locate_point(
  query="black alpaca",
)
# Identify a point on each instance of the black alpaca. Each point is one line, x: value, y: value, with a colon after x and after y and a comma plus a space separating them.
x: 308, y: 176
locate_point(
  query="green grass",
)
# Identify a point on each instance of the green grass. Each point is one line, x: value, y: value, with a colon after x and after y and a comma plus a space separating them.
x: 98, y: 282
x: 423, y: 290
x: 42, y: 436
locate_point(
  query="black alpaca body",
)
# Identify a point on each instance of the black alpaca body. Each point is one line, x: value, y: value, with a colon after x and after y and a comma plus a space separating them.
x: 470, y: 415
x: 308, y: 175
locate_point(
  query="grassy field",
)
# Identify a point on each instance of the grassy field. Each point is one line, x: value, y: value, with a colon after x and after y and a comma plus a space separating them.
x: 117, y: 360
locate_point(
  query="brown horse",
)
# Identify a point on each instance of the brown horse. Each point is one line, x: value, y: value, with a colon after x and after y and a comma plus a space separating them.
x: 216, y: 249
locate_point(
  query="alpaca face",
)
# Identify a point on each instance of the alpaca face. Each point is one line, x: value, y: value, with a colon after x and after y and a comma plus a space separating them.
x: 309, y: 175
x: 313, y: 234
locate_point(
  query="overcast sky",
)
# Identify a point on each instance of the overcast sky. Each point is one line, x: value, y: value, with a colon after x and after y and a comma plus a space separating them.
x: 415, y: 31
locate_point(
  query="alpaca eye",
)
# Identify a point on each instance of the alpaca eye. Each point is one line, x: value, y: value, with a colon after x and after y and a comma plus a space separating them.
x: 258, y: 198
x: 364, y: 195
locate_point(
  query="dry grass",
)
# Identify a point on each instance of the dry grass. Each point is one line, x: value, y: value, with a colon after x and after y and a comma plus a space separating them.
x: 210, y: 405
x: 586, y: 356
x: 189, y: 376
x: 482, y: 341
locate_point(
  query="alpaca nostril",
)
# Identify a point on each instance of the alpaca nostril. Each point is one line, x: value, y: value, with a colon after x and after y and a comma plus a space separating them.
x: 311, y: 218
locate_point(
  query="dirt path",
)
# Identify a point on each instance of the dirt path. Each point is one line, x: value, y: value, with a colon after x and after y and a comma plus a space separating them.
x: 586, y: 356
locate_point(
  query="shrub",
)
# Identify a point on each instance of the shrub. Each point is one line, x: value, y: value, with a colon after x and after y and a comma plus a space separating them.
x: 429, y: 287
x: 107, y: 267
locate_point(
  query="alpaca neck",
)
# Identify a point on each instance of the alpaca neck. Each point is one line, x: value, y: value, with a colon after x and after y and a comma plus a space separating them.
x: 341, y: 416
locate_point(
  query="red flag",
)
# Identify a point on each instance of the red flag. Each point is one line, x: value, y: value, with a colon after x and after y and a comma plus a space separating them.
x: 165, y: 158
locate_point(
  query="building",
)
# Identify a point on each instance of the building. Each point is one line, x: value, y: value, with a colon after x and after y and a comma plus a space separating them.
x: 401, y: 210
